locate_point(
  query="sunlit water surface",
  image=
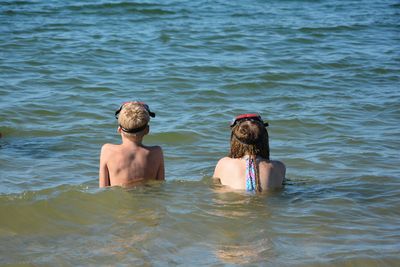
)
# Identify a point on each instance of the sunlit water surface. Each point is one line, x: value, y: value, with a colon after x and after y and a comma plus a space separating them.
x: 325, y: 74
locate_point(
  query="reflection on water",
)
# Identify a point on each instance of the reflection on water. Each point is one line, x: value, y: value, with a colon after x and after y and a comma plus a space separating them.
x: 195, y: 223
x: 325, y: 75
x: 250, y: 252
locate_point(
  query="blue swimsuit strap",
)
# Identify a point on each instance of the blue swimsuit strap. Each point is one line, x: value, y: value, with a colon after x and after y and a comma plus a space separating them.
x: 250, y: 175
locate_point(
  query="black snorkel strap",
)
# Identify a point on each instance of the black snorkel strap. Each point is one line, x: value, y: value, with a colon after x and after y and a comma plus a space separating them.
x: 146, y: 107
x: 133, y: 131
x: 255, y: 117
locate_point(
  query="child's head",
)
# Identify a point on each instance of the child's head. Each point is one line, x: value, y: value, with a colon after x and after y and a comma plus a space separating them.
x: 133, y: 118
x: 249, y: 137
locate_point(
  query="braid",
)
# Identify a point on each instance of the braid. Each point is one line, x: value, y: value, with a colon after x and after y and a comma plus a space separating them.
x: 256, y: 172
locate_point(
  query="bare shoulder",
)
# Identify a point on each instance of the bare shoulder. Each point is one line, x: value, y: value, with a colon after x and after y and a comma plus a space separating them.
x: 156, y: 152
x: 109, y: 150
x: 106, y: 148
x: 222, y: 165
x: 224, y: 161
x: 279, y: 165
x: 155, y: 149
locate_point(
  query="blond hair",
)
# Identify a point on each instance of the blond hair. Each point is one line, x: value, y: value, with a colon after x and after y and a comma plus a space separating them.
x: 133, y: 115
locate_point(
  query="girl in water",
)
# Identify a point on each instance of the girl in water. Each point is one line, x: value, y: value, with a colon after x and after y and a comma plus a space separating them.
x: 248, y: 166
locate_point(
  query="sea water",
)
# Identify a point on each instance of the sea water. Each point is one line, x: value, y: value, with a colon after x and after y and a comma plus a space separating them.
x: 324, y: 74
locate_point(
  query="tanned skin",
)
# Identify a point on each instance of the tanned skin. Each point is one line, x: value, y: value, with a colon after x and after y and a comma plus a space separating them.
x: 130, y: 162
x: 232, y: 172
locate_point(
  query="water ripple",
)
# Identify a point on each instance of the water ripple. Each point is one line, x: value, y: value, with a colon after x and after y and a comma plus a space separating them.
x: 324, y: 74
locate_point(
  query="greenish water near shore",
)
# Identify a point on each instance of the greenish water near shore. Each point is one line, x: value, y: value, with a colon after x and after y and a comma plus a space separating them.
x: 325, y: 74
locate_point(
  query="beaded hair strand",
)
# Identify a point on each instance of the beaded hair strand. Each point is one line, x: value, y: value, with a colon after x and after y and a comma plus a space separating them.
x: 257, y: 174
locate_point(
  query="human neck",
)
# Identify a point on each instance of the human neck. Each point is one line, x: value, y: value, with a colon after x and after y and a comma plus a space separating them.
x: 132, y: 141
x: 246, y: 156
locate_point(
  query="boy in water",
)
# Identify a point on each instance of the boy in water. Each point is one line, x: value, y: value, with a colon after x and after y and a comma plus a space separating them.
x: 131, y: 161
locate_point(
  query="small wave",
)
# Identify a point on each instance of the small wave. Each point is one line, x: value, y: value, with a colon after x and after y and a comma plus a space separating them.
x: 212, y: 93
x: 235, y: 48
x: 282, y: 76
x: 228, y: 35
x: 302, y: 40
x: 17, y: 132
x: 249, y: 14
x: 17, y: 3
x: 181, y: 137
x: 336, y: 28
x: 111, y: 5
x: 250, y: 85
x: 121, y: 7
x: 96, y: 89
x: 27, y: 12
x: 214, y: 69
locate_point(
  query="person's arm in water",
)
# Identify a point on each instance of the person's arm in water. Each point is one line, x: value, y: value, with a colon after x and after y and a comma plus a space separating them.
x: 280, y: 167
x: 161, y: 168
x: 277, y: 179
x: 218, y: 171
x: 104, y: 176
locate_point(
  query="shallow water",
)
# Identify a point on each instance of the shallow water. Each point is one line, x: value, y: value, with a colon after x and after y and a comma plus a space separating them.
x: 325, y: 74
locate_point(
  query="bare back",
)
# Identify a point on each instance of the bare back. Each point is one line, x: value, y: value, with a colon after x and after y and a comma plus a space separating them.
x: 125, y: 164
x: 232, y: 173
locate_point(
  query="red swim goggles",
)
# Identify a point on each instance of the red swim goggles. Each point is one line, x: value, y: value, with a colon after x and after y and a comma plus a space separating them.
x: 151, y: 114
x: 248, y: 117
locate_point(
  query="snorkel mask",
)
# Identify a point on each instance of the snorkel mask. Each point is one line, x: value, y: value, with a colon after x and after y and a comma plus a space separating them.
x: 151, y: 114
x: 136, y: 130
x: 247, y: 117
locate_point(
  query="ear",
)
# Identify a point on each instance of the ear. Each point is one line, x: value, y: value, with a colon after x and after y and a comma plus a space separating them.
x: 119, y: 130
x: 147, y: 130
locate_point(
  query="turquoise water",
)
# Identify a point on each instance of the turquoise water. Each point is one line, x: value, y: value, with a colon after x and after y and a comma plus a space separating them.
x: 325, y: 74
